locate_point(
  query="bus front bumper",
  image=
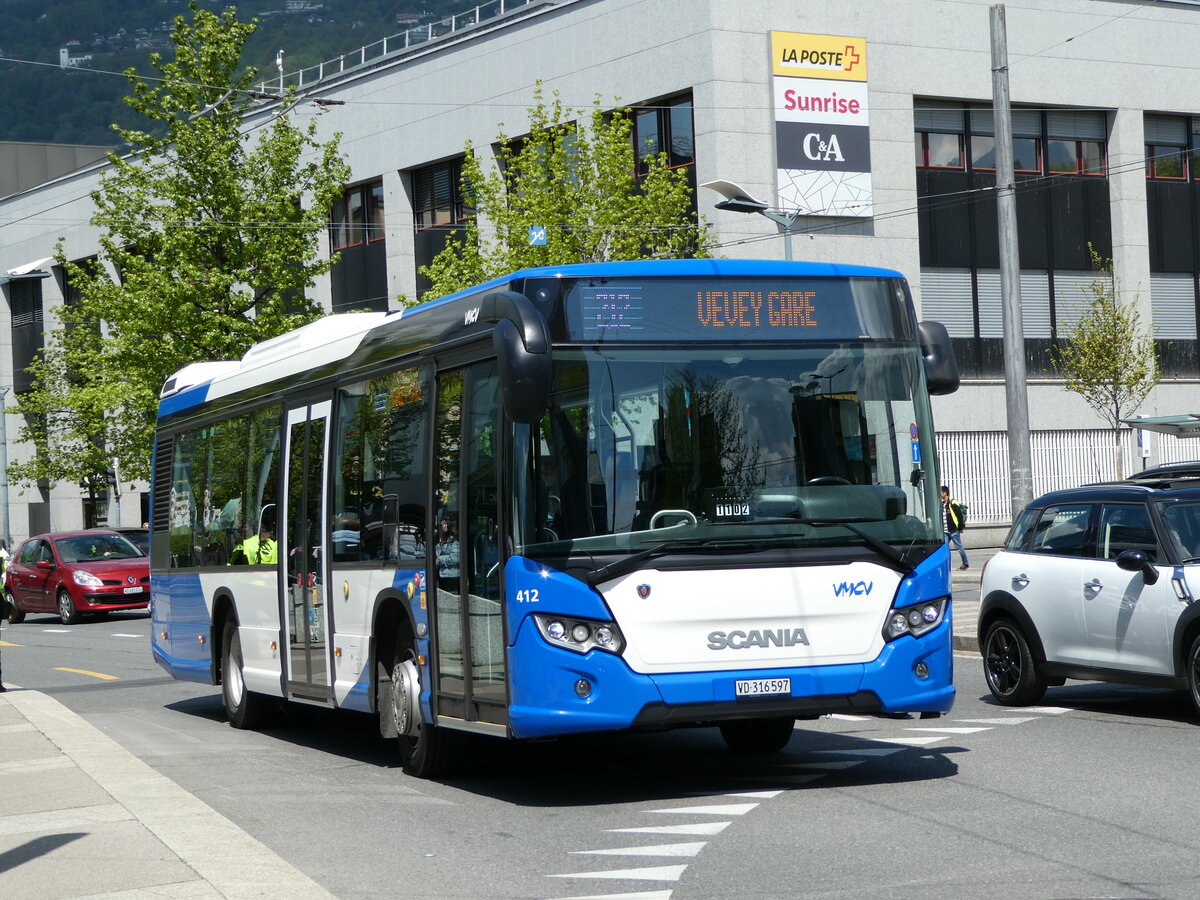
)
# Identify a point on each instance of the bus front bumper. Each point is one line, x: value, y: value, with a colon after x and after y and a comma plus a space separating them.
x: 909, y: 675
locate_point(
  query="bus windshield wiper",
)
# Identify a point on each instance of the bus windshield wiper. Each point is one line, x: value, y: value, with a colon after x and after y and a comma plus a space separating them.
x: 630, y: 563
x: 883, y: 547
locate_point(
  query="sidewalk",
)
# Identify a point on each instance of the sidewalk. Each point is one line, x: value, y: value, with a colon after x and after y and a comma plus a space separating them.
x: 82, y: 817
x: 964, y: 588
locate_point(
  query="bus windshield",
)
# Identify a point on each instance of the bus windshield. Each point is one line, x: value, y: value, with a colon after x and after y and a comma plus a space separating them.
x: 751, y: 442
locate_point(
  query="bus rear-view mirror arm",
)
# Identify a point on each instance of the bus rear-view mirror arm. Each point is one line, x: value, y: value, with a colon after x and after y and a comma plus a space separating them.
x: 522, y: 343
x: 941, y: 368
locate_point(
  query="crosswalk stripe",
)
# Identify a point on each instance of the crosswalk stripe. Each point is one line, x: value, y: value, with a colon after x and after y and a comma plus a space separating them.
x: 691, y: 848
x: 952, y: 730
x: 913, y: 740
x: 651, y: 873
x: 1007, y: 720
x: 694, y: 828
x: 729, y: 809
x: 637, y: 895
x: 1046, y: 710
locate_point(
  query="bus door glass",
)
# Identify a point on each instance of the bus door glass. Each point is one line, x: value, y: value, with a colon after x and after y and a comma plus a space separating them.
x: 301, y: 543
x: 469, y: 611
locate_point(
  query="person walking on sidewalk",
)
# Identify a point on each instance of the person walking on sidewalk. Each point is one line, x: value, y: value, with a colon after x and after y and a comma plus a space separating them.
x: 952, y: 520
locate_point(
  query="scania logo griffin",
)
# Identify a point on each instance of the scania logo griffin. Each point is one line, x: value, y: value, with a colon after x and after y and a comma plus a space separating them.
x: 740, y: 640
x: 857, y: 588
x: 643, y: 591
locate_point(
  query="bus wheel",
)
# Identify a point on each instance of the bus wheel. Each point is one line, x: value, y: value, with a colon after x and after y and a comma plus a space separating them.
x: 426, y: 750
x: 244, y: 708
x: 757, y: 735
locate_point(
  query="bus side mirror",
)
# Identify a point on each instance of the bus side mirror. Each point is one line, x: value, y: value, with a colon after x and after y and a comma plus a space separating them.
x: 941, y: 368
x: 522, y: 344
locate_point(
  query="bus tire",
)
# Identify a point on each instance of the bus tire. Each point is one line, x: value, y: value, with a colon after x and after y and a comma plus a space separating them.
x: 758, y: 735
x: 245, y: 709
x: 426, y: 751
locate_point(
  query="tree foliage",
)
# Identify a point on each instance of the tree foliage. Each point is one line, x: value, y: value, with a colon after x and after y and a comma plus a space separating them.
x: 574, y: 175
x: 1108, y: 358
x: 210, y: 227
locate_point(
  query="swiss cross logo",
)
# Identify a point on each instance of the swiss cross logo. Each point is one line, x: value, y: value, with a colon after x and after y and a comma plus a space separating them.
x: 851, y: 59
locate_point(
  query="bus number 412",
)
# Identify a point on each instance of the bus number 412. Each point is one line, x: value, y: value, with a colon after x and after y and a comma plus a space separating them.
x: 529, y: 596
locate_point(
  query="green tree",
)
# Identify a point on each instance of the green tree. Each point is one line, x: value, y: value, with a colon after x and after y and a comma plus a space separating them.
x: 1108, y: 358
x: 575, y: 175
x: 212, y: 228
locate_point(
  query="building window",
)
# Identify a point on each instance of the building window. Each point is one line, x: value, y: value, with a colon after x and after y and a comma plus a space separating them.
x: 936, y: 150
x: 357, y: 217
x: 356, y: 234
x: 1059, y: 219
x: 440, y: 211
x: 25, y: 303
x: 664, y: 127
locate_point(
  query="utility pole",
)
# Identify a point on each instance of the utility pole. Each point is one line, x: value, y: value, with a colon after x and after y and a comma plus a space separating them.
x: 1020, y: 456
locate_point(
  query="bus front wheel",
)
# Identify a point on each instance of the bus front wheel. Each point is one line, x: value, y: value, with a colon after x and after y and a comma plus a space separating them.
x: 757, y: 735
x: 426, y: 750
x: 244, y: 708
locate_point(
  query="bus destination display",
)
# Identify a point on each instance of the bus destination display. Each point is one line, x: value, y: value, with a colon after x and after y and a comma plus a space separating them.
x: 739, y: 309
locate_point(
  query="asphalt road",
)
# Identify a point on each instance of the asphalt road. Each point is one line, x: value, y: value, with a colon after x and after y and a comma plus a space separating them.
x: 1089, y: 795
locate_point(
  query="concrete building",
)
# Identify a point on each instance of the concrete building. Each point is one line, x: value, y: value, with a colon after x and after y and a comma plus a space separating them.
x: 870, y: 120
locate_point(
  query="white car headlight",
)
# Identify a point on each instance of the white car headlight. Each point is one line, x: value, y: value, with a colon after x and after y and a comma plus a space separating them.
x: 86, y: 579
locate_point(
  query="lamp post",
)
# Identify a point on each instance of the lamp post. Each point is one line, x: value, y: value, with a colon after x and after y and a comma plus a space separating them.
x: 737, y: 199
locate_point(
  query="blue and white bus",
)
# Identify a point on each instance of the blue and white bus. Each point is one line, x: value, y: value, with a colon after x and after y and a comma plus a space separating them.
x: 600, y: 497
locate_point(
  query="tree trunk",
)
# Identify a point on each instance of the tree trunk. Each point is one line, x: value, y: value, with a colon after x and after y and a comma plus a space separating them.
x: 1117, y: 460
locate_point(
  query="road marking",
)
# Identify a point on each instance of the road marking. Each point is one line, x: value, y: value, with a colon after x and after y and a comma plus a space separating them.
x: 56, y: 630
x: 1046, y: 710
x: 729, y: 809
x: 951, y: 730
x: 687, y: 849
x: 99, y: 675
x: 913, y: 741
x: 638, y: 895
x: 651, y: 873
x: 8, y: 644
x: 698, y: 828
x: 130, y: 635
x: 1008, y: 720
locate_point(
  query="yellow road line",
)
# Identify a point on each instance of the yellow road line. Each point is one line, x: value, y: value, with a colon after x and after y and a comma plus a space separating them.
x: 8, y: 644
x: 100, y: 675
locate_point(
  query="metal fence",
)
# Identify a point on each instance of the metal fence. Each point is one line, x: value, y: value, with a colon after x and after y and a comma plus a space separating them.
x: 405, y: 40
x: 975, y: 465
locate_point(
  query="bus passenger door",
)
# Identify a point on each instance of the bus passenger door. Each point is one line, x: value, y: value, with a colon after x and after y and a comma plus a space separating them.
x: 302, y: 527
x: 469, y: 620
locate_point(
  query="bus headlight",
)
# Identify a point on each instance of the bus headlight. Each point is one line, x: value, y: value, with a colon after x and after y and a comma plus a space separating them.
x: 580, y: 635
x: 916, y: 619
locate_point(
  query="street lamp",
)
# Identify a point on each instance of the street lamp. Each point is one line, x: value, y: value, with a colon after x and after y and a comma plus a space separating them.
x: 738, y: 199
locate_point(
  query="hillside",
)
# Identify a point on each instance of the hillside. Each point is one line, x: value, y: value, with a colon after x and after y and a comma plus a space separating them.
x: 77, y: 105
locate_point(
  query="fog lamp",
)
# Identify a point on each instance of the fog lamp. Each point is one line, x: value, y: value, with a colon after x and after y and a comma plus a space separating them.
x: 583, y: 688
x: 921, y: 670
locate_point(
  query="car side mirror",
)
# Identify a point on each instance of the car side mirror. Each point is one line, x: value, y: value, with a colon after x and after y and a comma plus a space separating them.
x: 45, y: 564
x: 1138, y: 561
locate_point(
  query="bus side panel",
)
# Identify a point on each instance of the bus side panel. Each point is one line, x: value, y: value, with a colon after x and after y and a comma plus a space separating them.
x: 255, y: 593
x: 352, y: 603
x: 179, y: 618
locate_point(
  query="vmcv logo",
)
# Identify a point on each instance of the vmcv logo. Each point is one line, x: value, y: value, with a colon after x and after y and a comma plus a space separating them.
x: 859, y: 588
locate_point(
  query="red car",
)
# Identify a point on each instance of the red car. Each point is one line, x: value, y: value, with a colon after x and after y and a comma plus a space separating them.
x: 76, y: 572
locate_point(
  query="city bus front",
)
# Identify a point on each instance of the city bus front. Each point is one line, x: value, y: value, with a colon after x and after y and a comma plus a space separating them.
x: 728, y: 513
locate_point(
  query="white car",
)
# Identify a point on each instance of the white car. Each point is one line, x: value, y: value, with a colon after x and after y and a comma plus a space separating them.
x: 1098, y: 583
